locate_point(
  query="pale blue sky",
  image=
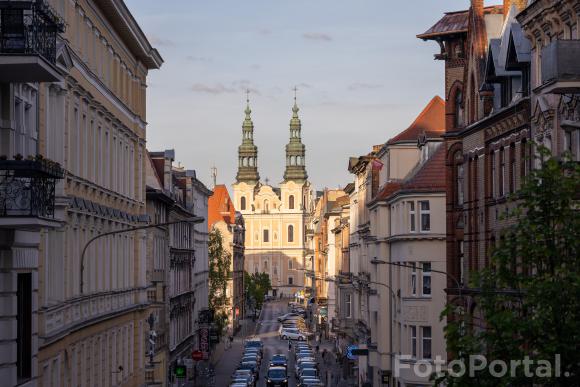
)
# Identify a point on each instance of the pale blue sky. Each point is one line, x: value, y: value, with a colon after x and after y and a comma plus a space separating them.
x: 362, y: 77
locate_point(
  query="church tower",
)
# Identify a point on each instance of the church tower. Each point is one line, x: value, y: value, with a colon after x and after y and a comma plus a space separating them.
x: 248, y: 152
x: 295, y: 150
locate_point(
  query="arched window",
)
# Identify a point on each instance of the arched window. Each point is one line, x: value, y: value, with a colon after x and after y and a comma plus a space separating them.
x: 291, y: 202
x: 266, y: 206
x: 290, y: 233
x: 243, y: 203
x: 266, y: 235
x: 458, y: 119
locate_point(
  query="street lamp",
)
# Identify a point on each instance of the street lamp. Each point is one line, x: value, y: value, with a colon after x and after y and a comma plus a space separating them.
x: 194, y: 220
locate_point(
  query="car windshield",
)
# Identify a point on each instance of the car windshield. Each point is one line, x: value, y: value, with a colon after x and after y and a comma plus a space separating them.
x: 254, y: 344
x: 278, y: 358
x: 248, y: 365
x: 277, y: 374
x: 309, y: 372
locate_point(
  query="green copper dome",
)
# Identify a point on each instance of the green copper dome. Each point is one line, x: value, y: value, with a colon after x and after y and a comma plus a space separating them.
x: 248, y: 152
x: 295, y: 150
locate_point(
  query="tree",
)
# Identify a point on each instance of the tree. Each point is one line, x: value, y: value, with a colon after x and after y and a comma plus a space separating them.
x: 529, y: 299
x: 219, y: 268
x: 257, y: 286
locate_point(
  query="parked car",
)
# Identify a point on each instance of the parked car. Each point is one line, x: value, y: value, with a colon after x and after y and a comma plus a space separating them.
x: 279, y: 360
x: 246, y: 375
x: 305, y: 371
x: 290, y: 316
x: 254, y: 343
x: 292, y: 334
x: 307, y: 379
x: 252, y: 366
x: 251, y: 357
x: 241, y: 384
x: 277, y: 377
x: 311, y: 383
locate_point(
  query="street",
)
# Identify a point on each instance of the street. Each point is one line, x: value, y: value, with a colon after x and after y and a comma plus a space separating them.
x: 266, y: 328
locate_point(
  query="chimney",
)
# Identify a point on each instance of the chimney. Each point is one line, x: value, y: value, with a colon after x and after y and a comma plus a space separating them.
x: 477, y: 6
x: 520, y: 5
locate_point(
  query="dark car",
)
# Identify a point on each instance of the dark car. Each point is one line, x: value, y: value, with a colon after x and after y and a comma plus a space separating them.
x: 279, y: 360
x: 277, y: 377
x: 254, y: 343
x: 252, y: 366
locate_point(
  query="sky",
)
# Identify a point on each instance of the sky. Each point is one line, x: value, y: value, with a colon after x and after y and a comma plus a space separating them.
x: 361, y: 73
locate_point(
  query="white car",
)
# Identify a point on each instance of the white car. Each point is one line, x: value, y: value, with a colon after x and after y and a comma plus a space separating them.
x: 292, y: 334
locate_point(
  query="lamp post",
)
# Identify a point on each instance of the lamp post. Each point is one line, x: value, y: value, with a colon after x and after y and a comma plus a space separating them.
x: 194, y: 220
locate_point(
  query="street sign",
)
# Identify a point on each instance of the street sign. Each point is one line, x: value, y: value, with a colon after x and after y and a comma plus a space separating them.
x: 180, y: 371
x: 349, y: 352
x: 197, y: 355
x: 360, y: 352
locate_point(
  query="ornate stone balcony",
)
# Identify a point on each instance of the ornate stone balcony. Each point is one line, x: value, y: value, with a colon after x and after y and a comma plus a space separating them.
x: 27, y: 192
x: 561, y: 67
x: 28, y: 32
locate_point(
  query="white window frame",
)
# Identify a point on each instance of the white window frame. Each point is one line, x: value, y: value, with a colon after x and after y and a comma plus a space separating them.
x: 412, y: 217
x: 426, y: 274
x: 413, y: 279
x: 413, y: 340
x: 424, y: 212
x: 348, y: 305
x: 426, y: 339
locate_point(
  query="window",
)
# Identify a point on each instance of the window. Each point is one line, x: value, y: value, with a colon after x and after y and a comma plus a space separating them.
x: 426, y: 342
x: 24, y: 327
x: 266, y: 235
x: 290, y: 281
x: 459, y: 184
x: 458, y: 119
x: 414, y: 341
x: 493, y: 172
x: 425, y: 215
x: 265, y: 266
x: 412, y: 216
x: 256, y: 267
x: 347, y: 305
x: 426, y: 273
x: 501, y: 172
x: 568, y: 143
x: 291, y: 202
x: 243, y: 203
x: 290, y: 233
x: 461, y: 262
x: 413, y: 279
x: 266, y: 206
x: 290, y: 264
x: 512, y: 180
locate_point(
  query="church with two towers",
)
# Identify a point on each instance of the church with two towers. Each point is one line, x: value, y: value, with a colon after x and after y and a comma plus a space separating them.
x: 275, y: 217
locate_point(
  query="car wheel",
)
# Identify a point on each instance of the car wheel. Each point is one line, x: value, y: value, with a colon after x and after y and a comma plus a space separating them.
x: 301, y: 338
x: 284, y: 337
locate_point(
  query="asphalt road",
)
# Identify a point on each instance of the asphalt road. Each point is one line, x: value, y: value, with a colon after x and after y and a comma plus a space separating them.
x: 267, y: 330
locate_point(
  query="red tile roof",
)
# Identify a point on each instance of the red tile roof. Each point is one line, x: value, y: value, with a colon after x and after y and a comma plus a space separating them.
x: 387, y: 190
x: 220, y: 207
x: 431, y: 175
x: 430, y: 121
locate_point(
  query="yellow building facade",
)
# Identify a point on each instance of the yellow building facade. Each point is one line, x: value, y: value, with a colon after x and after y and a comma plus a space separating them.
x: 275, y: 217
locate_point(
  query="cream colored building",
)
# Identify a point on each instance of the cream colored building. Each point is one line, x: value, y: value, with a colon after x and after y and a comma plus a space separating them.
x: 88, y: 322
x: 275, y: 217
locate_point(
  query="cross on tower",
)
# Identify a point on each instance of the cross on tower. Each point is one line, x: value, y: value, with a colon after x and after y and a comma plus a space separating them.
x: 248, y: 95
x: 295, y: 90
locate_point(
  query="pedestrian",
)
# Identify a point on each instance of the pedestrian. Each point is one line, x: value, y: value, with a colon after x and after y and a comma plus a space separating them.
x: 231, y: 341
x: 317, y: 348
x: 323, y: 354
x: 289, y: 345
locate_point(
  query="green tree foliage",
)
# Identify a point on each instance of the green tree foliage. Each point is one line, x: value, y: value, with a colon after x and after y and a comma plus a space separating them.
x: 257, y: 286
x: 219, y: 268
x: 529, y: 304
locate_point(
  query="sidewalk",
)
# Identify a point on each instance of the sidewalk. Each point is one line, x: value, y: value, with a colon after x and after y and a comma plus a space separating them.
x: 226, y: 361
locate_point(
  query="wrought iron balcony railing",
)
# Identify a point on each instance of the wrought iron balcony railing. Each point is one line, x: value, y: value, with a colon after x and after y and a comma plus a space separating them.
x: 27, y: 187
x: 29, y: 27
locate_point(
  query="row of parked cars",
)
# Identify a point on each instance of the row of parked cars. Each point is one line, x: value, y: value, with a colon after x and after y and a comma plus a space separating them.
x: 248, y: 372
x: 293, y: 325
x: 306, y: 369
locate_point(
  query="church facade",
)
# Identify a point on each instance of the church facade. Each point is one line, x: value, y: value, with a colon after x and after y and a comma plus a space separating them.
x: 275, y: 217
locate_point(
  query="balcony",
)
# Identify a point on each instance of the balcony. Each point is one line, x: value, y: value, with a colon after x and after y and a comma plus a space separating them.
x: 28, y: 32
x: 561, y: 67
x: 27, y: 192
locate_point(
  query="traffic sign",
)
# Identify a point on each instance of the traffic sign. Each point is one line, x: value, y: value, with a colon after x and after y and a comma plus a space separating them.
x: 349, y: 354
x: 197, y: 355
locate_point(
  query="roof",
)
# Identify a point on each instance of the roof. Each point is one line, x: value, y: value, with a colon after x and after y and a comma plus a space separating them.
x: 431, y: 175
x: 450, y: 23
x: 220, y: 207
x: 431, y: 122
x: 454, y: 23
x: 387, y: 190
x: 151, y: 176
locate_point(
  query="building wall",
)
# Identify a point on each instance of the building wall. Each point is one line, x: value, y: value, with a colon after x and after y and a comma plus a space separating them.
x: 100, y: 107
x: 282, y: 259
